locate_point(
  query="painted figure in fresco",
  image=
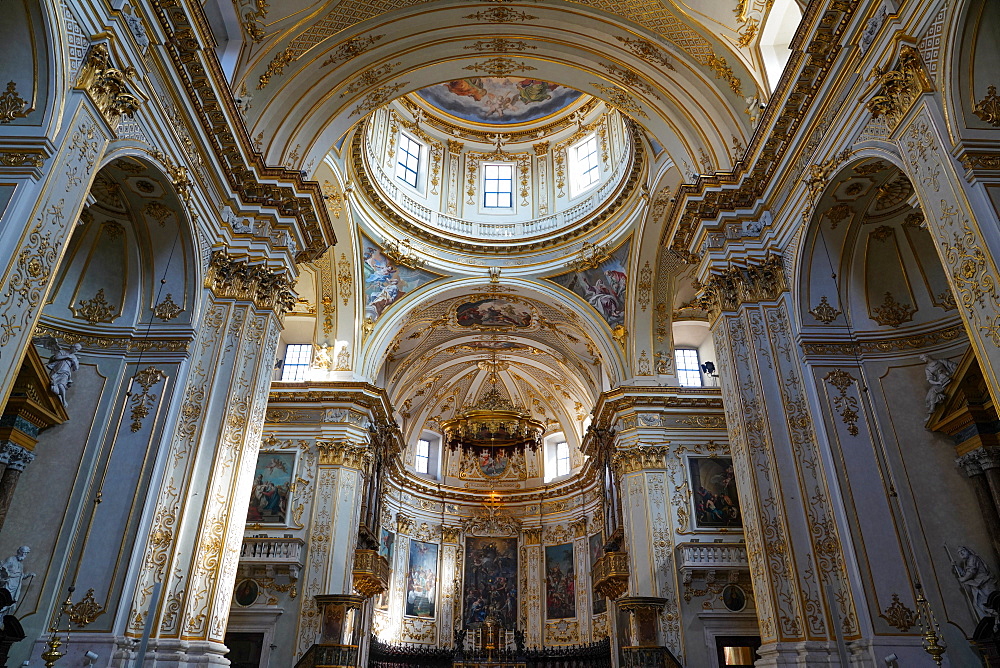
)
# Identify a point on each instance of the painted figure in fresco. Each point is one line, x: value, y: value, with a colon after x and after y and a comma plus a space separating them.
x: 534, y: 90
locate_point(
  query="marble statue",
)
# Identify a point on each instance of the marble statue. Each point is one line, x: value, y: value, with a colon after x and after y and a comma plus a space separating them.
x: 939, y: 373
x: 14, y: 579
x: 62, y: 365
x: 976, y: 576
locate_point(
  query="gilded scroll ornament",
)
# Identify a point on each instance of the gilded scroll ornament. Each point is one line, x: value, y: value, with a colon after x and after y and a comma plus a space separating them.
x: 369, y: 77
x: 501, y: 15
x: 630, y: 79
x: 344, y: 278
x: 988, y: 109
x: 500, y: 67
x: 646, y: 51
x: 896, y: 90
x: 899, y: 616
x: 86, y: 611
x: 892, y: 313
x: 500, y: 45
x: 17, y: 159
x: 377, y: 97
x: 108, y: 85
x: 724, y: 71
x: 143, y: 402
x: 645, y: 286
x: 167, y: 309
x: 12, y: 105
x: 351, y: 49
x: 845, y: 405
x: 620, y: 100
x: 96, y: 310
x: 824, y: 312
x: 234, y: 278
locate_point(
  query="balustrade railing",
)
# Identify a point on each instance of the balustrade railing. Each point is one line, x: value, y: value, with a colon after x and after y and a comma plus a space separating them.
x: 272, y: 551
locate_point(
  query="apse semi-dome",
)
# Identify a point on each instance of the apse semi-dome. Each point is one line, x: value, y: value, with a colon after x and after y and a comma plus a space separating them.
x: 489, y: 164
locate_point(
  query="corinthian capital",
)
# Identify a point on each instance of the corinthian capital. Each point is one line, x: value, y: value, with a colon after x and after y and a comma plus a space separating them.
x: 240, y: 279
x: 753, y: 283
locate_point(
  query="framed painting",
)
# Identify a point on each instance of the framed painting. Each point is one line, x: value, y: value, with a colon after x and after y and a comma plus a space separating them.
x: 596, y: 545
x: 491, y: 313
x: 490, y: 580
x: 272, y: 484
x: 421, y: 579
x: 386, y: 547
x: 499, y: 100
x: 246, y: 593
x: 560, y: 582
x: 714, y: 498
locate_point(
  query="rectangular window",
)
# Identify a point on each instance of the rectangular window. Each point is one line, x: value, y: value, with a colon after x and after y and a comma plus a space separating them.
x: 423, y: 456
x: 562, y: 459
x: 588, y: 170
x: 498, y: 186
x: 297, y: 360
x: 408, y: 164
x: 688, y: 367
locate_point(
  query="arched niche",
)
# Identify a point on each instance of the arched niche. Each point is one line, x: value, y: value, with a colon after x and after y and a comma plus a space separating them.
x: 970, y: 81
x: 31, y: 63
x: 132, y: 248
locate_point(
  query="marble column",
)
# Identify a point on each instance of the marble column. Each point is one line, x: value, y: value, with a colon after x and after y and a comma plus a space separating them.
x: 17, y: 459
x: 197, y: 524
x: 803, y: 596
x: 983, y: 468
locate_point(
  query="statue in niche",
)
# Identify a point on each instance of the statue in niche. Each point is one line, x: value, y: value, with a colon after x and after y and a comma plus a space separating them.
x: 939, y: 373
x: 62, y: 365
x: 14, y: 579
x: 977, y: 578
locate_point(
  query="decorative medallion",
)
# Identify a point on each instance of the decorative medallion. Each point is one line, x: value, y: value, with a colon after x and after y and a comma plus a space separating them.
x: 500, y: 67
x: 647, y: 51
x: 501, y: 15
x: 620, y: 100
x: 501, y: 45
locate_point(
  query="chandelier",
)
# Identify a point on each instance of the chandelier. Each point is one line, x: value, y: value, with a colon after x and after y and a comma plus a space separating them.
x: 492, y: 422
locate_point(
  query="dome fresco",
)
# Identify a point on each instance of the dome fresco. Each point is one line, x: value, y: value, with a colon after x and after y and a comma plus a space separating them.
x: 499, y: 100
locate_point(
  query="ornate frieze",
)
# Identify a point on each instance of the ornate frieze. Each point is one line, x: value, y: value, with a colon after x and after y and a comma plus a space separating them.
x: 238, y: 279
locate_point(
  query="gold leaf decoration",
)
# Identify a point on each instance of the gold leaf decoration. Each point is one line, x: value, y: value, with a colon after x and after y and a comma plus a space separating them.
x: 892, y: 313
x: 899, y: 616
x: 167, y: 309
x: 988, y: 109
x: 86, y: 611
x: 143, y: 402
x: 96, y: 310
x: 501, y: 15
x: 824, y: 312
x: 620, y: 100
x: 499, y: 67
x: 845, y: 405
x: 11, y: 104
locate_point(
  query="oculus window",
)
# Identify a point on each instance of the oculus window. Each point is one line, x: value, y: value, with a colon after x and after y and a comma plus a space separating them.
x: 423, y: 458
x: 498, y: 186
x: 586, y: 166
x: 688, y: 367
x: 408, y: 161
x: 297, y: 359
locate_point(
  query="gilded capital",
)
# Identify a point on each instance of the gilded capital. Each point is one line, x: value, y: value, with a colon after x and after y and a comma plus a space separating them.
x: 896, y: 90
x: 239, y: 279
x: 344, y: 453
x: 451, y: 534
x: 727, y: 290
x: 404, y: 523
x: 639, y: 458
x: 579, y: 527
x: 532, y: 536
x: 107, y: 85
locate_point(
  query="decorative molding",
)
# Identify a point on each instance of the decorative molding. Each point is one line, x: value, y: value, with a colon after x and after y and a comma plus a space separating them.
x: 349, y: 50
x: 345, y: 278
x: 884, y: 345
x: 368, y: 78
x: 344, y: 453
x: 645, y: 286
x: 639, y: 458
x: 143, y: 402
x: 988, y: 109
x: 824, y: 312
x: 238, y: 279
x: 630, y: 79
x: 21, y: 159
x: 501, y: 45
x: 846, y: 406
x: 378, y: 97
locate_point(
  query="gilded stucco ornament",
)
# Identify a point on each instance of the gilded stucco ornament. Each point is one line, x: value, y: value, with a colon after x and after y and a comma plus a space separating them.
x: 845, y: 405
x: 824, y: 312
x: 167, y: 309
x: 640, y: 458
x: 891, y: 312
x: 19, y: 159
x: 988, y: 109
x: 12, y: 105
x: 896, y: 90
x: 96, y: 309
x: 143, y: 401
x: 86, y: 611
x: 107, y: 85
x: 234, y: 278
x: 898, y: 616
x: 754, y: 283
x: 620, y: 100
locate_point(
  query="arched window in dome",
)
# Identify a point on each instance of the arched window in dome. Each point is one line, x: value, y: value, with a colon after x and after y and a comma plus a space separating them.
x: 498, y: 186
x: 586, y: 165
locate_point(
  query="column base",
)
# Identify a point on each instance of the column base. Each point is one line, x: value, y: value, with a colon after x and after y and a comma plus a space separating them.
x: 119, y: 652
x: 805, y: 654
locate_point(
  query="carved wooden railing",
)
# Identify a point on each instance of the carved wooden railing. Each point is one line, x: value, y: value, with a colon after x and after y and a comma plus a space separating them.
x: 329, y: 656
x: 648, y: 657
x: 371, y: 573
x: 610, y: 574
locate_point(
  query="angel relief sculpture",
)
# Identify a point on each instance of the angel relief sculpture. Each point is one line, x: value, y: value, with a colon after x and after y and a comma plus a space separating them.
x: 61, y: 365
